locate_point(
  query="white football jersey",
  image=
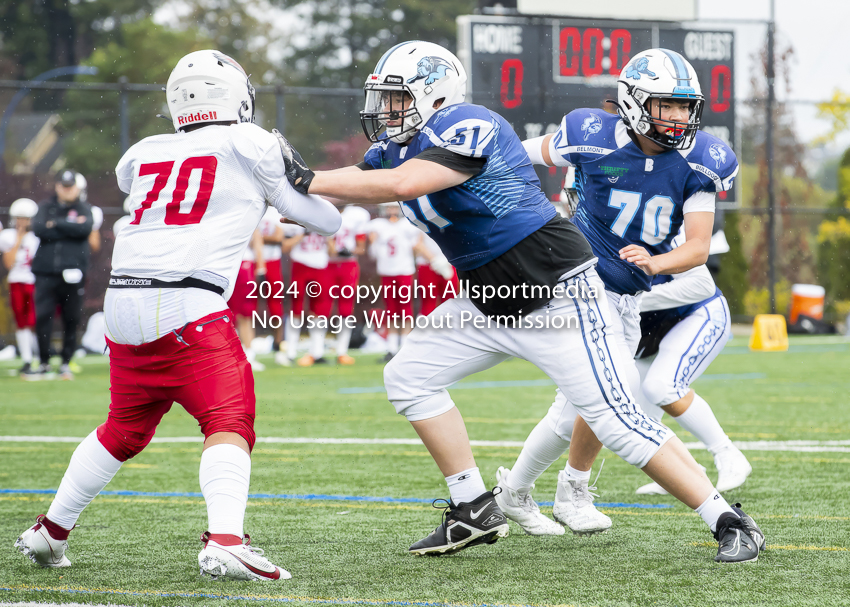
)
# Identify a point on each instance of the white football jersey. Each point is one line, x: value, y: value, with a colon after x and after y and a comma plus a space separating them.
x: 195, y: 200
x: 393, y: 246
x: 268, y: 224
x: 97, y: 217
x: 312, y: 250
x: 120, y: 224
x: 22, y: 270
x: 354, y: 222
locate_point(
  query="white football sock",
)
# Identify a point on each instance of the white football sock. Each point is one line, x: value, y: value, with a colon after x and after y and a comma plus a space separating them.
x: 465, y: 486
x: 343, y: 339
x: 317, y: 342
x: 542, y: 448
x: 293, y: 336
x: 711, y: 509
x: 699, y: 420
x: 392, y: 343
x: 581, y: 475
x: 89, y: 471
x: 225, y: 475
x: 24, y: 339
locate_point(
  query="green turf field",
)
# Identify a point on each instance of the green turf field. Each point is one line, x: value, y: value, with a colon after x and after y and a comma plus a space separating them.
x: 142, y: 550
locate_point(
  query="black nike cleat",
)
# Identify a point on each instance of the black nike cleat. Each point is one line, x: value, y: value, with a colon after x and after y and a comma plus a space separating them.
x: 751, y: 528
x: 464, y: 525
x: 739, y: 540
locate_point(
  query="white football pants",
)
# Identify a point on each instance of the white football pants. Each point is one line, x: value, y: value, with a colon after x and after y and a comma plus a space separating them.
x: 582, y: 358
x: 625, y: 330
x: 683, y: 355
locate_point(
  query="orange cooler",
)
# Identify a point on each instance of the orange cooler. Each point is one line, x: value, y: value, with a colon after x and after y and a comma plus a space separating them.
x: 807, y: 300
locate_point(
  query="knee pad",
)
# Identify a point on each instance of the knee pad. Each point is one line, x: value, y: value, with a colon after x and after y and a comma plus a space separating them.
x: 655, y: 391
x: 562, y: 416
x: 628, y: 432
x: 415, y: 403
x: 122, y: 444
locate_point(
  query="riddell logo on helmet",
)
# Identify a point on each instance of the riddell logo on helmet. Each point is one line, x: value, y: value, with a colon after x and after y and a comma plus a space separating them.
x: 197, y: 117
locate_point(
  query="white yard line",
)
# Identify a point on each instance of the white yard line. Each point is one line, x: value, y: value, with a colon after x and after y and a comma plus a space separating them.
x: 833, y: 446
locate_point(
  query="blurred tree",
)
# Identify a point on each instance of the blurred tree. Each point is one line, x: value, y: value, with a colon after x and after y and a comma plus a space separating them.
x: 42, y: 34
x: 142, y: 52
x: 732, y: 278
x: 834, y: 244
x: 341, y: 41
x: 795, y: 247
x: 837, y: 112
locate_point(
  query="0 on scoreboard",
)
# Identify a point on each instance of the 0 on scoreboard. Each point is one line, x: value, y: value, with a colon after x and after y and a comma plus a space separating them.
x: 533, y: 70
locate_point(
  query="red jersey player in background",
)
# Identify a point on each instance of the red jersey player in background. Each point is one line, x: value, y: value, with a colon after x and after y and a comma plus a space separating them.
x: 349, y: 242
x: 197, y: 196
x: 18, y: 245
x: 310, y: 254
x: 394, y: 241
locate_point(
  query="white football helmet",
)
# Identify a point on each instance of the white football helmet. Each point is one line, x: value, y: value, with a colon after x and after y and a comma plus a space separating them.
x: 662, y: 74
x: 423, y: 72
x: 22, y: 207
x: 209, y: 86
x: 83, y: 185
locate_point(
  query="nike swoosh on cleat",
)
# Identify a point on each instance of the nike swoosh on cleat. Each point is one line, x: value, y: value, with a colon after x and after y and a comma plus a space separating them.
x: 474, y: 515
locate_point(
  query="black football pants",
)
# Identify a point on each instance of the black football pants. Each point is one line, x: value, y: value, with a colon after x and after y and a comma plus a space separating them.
x: 51, y: 291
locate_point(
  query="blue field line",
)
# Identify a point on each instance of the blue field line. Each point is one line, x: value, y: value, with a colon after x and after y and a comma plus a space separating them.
x: 256, y: 598
x: 308, y: 497
x: 534, y: 383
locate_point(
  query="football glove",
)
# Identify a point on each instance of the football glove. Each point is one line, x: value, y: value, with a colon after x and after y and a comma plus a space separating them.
x: 298, y: 173
x: 442, y: 267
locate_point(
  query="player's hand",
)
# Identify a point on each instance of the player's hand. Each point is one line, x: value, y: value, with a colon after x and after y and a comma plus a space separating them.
x: 640, y: 257
x: 297, y: 172
x: 442, y: 267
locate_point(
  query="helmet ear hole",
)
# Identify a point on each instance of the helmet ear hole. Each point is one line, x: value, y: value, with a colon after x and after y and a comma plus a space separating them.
x: 439, y: 102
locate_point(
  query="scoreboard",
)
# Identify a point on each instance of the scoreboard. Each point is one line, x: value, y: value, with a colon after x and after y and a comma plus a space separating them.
x: 534, y: 70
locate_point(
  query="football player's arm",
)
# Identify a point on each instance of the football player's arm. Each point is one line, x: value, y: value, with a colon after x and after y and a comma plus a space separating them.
x: 9, y: 248
x: 409, y: 181
x: 311, y: 211
x: 689, y: 287
x: 289, y: 243
x: 538, y: 150
x: 694, y: 252
x: 276, y: 237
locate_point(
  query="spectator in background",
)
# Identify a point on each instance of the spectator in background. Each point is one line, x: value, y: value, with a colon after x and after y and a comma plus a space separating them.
x: 349, y: 242
x: 63, y: 224
x: 18, y: 245
x: 96, y: 214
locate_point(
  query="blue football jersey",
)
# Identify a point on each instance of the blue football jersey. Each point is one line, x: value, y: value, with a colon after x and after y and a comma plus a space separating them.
x: 627, y: 197
x: 484, y: 217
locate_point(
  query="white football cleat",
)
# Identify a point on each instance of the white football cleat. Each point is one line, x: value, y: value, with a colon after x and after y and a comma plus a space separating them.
x: 42, y: 549
x: 522, y: 509
x: 574, y: 507
x: 732, y: 468
x: 240, y: 562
